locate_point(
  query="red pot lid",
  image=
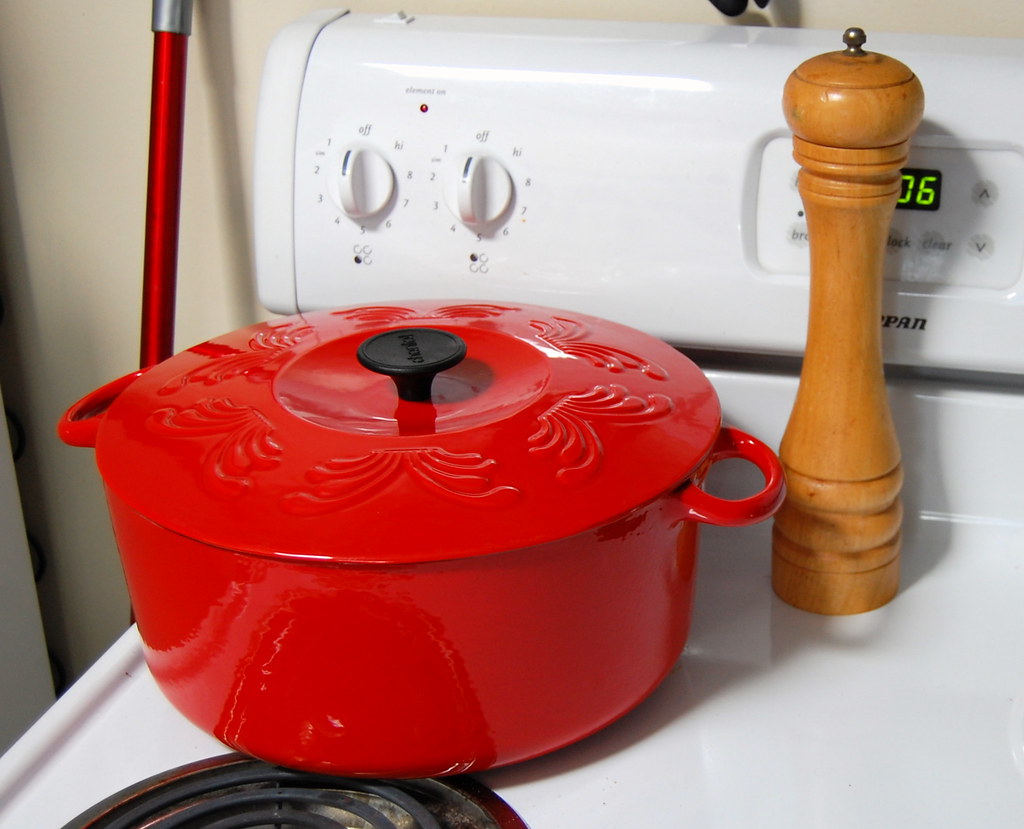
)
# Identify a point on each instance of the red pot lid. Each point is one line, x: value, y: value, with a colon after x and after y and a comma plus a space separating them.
x: 284, y: 439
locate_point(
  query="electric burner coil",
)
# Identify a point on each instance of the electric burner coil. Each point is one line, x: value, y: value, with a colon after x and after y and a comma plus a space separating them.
x: 235, y: 792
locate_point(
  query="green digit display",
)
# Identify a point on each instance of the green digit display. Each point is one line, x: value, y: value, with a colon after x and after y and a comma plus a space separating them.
x: 922, y: 189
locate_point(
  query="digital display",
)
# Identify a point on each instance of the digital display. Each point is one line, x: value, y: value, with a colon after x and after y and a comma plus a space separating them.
x: 922, y: 189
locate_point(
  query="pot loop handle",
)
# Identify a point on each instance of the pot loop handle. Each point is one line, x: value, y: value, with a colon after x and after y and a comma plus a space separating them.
x: 709, y: 509
x: 81, y: 423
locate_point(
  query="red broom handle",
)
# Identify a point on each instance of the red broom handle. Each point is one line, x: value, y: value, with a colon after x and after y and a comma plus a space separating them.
x: 163, y: 196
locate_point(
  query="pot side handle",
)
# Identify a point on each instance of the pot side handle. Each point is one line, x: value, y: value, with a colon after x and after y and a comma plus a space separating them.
x: 709, y: 509
x: 81, y: 423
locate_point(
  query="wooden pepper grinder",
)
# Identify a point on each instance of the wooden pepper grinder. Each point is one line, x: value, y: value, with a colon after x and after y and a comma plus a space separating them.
x: 836, y: 540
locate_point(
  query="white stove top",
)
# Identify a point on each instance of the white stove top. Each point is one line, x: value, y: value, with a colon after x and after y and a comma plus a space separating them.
x: 910, y: 716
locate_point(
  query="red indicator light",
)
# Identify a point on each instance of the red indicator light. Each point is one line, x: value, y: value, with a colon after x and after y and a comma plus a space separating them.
x: 424, y: 107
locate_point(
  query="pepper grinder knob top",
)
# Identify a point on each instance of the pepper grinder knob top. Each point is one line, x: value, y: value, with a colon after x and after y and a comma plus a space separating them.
x: 853, y: 98
x: 854, y: 39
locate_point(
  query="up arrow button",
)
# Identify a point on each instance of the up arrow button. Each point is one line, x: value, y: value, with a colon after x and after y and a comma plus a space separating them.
x: 984, y: 193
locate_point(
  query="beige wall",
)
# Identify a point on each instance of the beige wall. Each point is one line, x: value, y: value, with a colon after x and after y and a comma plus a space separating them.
x: 74, y: 91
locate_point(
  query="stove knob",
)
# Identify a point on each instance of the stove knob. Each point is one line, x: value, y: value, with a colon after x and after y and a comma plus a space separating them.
x: 366, y: 183
x: 482, y: 192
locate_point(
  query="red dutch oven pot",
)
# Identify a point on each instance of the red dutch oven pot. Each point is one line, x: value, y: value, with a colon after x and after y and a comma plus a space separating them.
x: 343, y: 563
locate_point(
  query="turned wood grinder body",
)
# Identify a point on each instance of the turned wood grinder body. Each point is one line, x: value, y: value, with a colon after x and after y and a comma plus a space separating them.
x: 836, y: 540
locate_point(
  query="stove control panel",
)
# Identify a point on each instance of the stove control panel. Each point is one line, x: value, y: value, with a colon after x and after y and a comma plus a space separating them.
x: 957, y: 223
x: 640, y: 172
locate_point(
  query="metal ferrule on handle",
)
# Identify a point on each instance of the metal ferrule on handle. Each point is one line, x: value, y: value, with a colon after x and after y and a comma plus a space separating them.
x: 173, y: 16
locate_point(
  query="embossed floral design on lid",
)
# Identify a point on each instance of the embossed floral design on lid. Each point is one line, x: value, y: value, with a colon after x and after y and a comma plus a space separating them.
x: 277, y: 440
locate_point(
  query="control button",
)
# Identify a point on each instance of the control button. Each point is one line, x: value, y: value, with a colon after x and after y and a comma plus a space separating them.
x: 482, y: 191
x: 935, y: 243
x: 796, y: 234
x: 981, y: 246
x: 985, y: 193
x: 898, y: 241
x: 366, y: 183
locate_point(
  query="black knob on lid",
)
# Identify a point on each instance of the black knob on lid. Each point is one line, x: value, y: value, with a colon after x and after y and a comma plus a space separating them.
x: 412, y: 357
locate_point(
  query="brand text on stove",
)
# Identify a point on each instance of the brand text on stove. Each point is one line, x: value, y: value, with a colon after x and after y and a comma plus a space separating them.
x: 910, y: 323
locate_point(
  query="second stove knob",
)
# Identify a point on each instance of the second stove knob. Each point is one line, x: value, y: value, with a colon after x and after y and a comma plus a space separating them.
x: 482, y: 191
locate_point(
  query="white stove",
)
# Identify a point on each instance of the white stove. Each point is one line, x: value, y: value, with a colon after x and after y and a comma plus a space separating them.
x: 646, y: 159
